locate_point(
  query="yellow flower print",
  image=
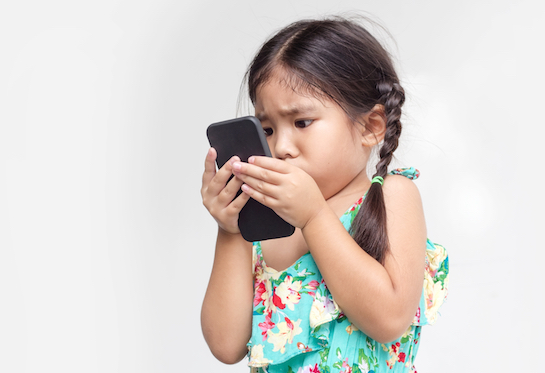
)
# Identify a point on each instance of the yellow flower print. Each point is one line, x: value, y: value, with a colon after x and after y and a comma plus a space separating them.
x: 266, y: 297
x: 287, y: 330
x: 436, y: 258
x: 257, y: 359
x: 435, y: 295
x: 435, y: 291
x: 351, y: 328
x: 324, y: 309
x: 408, y: 332
x: 288, y: 292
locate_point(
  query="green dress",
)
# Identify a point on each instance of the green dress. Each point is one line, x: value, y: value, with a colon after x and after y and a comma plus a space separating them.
x: 298, y: 327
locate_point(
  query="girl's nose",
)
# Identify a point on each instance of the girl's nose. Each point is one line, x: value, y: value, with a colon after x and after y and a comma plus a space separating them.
x: 284, y: 145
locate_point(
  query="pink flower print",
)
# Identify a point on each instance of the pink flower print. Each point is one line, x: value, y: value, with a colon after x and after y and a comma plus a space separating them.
x: 417, y: 316
x: 353, y: 208
x: 267, y: 325
x: 309, y: 369
x: 312, y: 286
x: 259, y: 290
x: 346, y: 368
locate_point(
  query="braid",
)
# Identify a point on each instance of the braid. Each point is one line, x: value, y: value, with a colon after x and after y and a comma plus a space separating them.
x: 369, y: 226
x: 393, y: 98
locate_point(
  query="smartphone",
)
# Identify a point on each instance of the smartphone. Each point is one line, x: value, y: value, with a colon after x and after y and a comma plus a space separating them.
x: 245, y: 137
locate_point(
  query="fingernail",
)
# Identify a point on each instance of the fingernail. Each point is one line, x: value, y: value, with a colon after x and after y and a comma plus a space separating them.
x: 237, y: 166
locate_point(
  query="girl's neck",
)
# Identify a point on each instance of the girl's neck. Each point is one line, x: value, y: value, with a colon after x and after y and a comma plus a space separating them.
x: 344, y: 198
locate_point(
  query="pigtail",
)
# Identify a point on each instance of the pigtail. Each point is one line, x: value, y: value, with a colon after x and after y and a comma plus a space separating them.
x: 369, y: 226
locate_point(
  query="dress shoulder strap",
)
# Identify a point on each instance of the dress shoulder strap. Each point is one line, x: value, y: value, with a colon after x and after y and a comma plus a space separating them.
x: 410, y: 172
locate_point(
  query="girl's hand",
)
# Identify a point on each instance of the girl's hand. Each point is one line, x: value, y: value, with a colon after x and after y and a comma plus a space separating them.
x: 288, y: 190
x: 218, y: 192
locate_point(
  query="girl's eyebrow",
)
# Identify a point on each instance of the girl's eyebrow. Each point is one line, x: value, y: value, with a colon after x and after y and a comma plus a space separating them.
x: 297, y: 109
x: 290, y: 111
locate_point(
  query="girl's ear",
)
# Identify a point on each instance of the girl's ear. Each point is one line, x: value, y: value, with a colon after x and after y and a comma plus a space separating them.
x: 374, y: 126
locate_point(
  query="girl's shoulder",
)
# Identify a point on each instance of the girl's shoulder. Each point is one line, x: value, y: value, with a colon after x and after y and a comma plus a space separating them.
x: 399, y: 182
x: 399, y: 188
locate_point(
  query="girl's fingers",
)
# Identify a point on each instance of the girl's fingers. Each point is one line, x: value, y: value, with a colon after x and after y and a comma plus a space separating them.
x: 228, y: 193
x: 239, y: 202
x: 219, y: 194
x: 259, y: 185
x: 258, y: 196
x: 269, y: 163
x: 248, y: 172
x: 264, y: 199
x: 221, y: 177
x: 209, y: 166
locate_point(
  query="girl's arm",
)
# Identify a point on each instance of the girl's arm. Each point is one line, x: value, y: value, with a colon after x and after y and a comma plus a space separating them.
x: 379, y: 300
x: 226, y: 315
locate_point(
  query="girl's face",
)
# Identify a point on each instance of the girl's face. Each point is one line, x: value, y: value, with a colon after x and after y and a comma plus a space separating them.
x: 315, y: 135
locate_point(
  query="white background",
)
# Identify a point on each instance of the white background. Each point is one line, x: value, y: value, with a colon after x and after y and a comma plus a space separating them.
x: 105, y: 247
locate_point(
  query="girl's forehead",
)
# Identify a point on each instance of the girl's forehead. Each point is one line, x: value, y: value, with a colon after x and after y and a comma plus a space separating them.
x: 277, y: 99
x: 278, y: 95
x: 291, y: 84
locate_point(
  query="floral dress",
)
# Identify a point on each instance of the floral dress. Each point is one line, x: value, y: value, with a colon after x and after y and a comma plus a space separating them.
x: 299, y: 328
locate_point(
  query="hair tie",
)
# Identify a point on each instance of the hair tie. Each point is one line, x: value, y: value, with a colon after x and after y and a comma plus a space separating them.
x: 378, y: 179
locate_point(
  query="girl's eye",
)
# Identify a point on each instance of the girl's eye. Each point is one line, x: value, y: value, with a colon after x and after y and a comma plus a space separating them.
x: 268, y: 131
x: 303, y: 123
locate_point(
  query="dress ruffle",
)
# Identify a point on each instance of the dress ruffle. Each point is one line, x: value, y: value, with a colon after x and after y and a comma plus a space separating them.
x: 435, y: 289
x: 283, y: 301
x: 324, y: 310
x: 434, y: 293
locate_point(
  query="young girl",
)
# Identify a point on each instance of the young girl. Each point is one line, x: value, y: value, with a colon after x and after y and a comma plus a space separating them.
x: 350, y: 290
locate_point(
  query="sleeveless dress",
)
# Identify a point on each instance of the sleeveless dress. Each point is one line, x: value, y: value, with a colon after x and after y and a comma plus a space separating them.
x: 299, y: 328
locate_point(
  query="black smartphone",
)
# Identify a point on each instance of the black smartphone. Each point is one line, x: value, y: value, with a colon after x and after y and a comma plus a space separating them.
x: 245, y: 137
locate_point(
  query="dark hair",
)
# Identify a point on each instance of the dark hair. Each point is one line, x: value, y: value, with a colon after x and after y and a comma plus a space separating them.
x: 339, y: 59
